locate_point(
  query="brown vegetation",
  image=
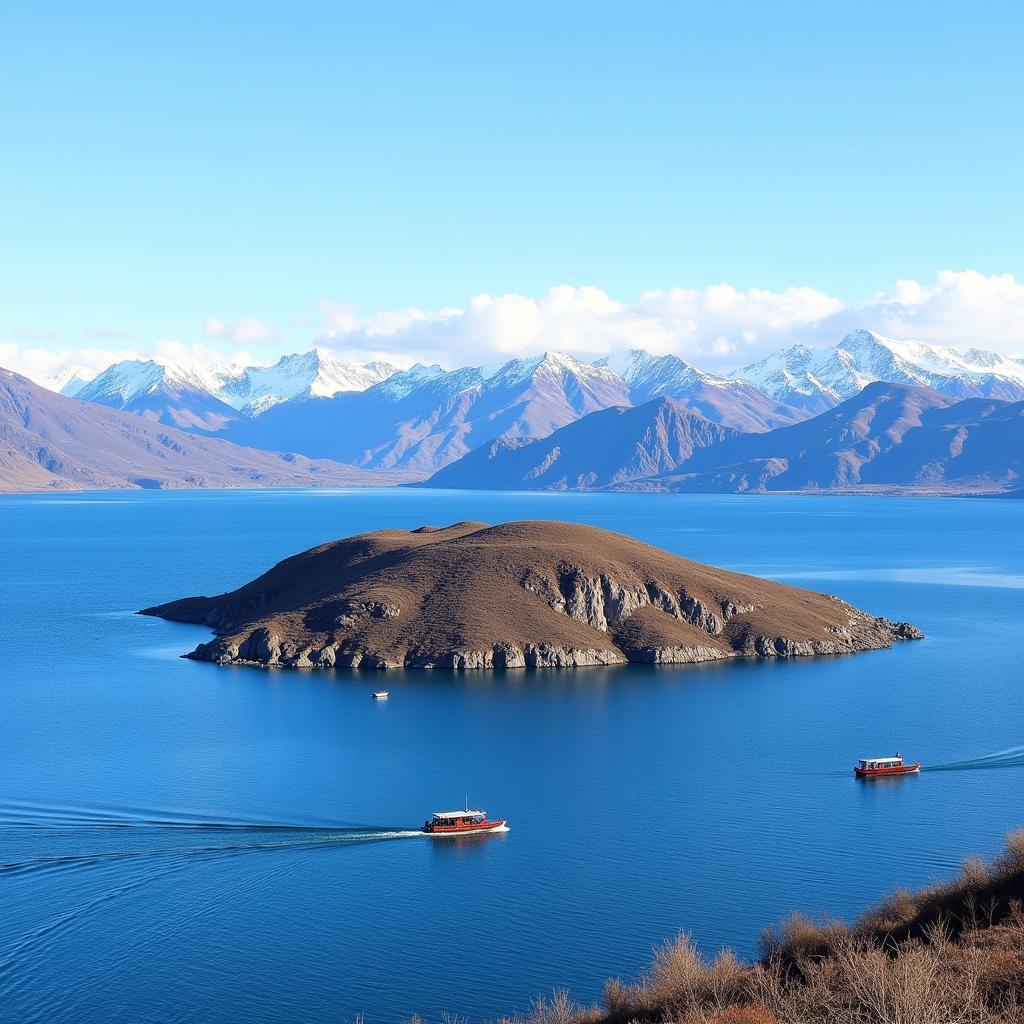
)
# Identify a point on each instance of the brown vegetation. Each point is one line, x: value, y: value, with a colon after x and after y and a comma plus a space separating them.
x: 953, y: 952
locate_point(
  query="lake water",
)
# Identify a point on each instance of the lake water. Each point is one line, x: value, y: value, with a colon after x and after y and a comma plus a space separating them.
x: 182, y: 842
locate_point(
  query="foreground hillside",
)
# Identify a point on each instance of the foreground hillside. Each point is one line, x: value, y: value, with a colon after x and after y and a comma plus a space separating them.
x: 523, y: 594
x: 950, y: 953
x: 48, y: 442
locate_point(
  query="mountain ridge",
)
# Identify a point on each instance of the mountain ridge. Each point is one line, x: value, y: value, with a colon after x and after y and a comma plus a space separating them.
x: 886, y: 437
x: 49, y: 442
x: 814, y: 379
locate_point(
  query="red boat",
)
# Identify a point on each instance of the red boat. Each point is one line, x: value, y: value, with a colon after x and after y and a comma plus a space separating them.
x: 467, y: 822
x: 872, y: 767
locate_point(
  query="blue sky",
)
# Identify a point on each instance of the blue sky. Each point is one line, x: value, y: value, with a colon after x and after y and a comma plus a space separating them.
x: 165, y: 164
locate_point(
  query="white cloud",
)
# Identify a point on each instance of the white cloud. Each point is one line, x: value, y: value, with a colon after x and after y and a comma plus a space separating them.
x: 177, y: 352
x: 41, y: 365
x: 719, y: 327
x: 960, y: 308
x: 246, y: 331
x: 707, y: 324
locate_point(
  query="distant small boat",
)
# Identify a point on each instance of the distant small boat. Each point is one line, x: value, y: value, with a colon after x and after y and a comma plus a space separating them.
x: 380, y: 694
x: 872, y: 767
x: 447, y: 824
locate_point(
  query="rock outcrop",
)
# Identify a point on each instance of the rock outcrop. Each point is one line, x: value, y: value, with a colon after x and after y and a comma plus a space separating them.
x: 519, y: 595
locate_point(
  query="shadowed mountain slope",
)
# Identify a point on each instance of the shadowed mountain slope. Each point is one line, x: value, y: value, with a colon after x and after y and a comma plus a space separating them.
x: 889, y: 435
x: 602, y: 449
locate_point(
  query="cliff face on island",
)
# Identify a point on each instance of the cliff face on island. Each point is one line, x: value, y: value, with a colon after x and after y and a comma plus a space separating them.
x: 522, y: 594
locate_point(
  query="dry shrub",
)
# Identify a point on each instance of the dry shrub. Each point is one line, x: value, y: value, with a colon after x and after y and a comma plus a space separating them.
x: 560, y: 1009
x: 1000, y: 973
x: 894, y: 914
x: 798, y: 940
x: 683, y: 980
x: 1011, y: 860
x: 752, y: 1013
x: 617, y: 998
x: 974, y: 875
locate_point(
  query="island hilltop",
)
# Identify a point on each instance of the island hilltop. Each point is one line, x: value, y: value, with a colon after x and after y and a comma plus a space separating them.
x: 521, y: 594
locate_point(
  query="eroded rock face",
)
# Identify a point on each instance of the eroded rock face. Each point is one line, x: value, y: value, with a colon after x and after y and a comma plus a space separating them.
x: 352, y: 611
x: 678, y: 655
x: 522, y: 595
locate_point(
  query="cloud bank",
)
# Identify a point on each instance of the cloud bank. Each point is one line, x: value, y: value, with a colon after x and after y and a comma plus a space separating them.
x: 718, y: 328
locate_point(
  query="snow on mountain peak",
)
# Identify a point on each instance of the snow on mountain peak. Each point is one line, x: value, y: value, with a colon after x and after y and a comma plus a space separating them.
x: 862, y: 357
x: 69, y: 381
x: 252, y: 389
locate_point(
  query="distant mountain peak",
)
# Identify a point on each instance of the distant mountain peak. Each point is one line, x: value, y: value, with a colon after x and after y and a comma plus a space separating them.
x: 251, y: 389
x: 816, y: 379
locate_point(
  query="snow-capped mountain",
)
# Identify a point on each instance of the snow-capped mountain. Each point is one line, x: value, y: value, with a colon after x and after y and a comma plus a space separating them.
x: 788, y: 375
x: 734, y: 403
x: 69, y: 381
x: 818, y: 380
x: 425, y: 417
x: 209, y: 398
x: 313, y: 374
x: 120, y: 385
x: 179, y: 396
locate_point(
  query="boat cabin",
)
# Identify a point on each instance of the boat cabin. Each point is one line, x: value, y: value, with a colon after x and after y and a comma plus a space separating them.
x: 458, y: 819
x: 870, y: 764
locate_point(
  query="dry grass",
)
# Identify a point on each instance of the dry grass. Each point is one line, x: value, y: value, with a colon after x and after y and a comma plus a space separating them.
x: 949, y: 954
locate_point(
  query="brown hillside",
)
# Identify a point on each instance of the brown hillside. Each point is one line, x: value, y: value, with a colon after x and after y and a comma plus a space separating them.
x: 49, y: 442
x: 519, y: 594
x: 951, y: 953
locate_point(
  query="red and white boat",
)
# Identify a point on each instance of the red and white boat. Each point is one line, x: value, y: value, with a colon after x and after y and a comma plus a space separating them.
x: 466, y: 822
x: 872, y: 767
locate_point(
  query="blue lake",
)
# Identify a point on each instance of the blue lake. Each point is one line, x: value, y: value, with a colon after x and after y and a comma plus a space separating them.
x: 182, y: 842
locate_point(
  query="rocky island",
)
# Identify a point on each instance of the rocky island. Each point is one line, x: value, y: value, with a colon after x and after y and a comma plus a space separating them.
x: 522, y: 594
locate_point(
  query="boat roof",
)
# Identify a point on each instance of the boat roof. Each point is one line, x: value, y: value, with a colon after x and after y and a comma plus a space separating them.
x: 883, y: 760
x: 460, y: 813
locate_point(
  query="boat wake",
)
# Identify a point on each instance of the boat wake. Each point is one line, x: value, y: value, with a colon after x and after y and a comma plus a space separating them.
x: 79, y: 860
x: 37, y: 838
x: 1012, y: 757
x: 29, y: 815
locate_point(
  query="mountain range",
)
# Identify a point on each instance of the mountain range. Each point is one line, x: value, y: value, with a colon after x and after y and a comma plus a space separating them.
x: 217, y: 400
x: 426, y: 417
x: 419, y: 420
x: 887, y: 436
x: 817, y: 380
x: 49, y: 442
x: 604, y: 449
